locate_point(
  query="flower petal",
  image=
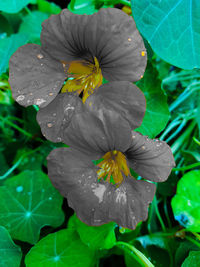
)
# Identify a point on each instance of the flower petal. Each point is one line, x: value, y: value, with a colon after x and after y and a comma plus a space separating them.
x: 35, y: 78
x: 54, y: 118
x: 97, y: 203
x: 150, y: 158
x: 121, y: 97
x: 110, y: 35
x: 98, y: 134
x: 65, y: 28
x: 114, y: 39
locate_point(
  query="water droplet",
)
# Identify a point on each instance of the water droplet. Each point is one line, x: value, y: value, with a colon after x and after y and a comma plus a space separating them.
x: 50, y: 94
x: 50, y: 198
x: 49, y: 125
x: 59, y: 139
x: 19, y: 188
x: 20, y: 98
x: 143, y: 147
x: 40, y: 56
x: 129, y: 39
x: 42, y: 190
x: 29, y: 193
x: 39, y: 101
x: 54, y: 114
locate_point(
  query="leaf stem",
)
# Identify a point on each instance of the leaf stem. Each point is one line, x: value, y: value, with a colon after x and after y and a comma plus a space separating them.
x: 158, y: 214
x: 141, y: 258
x: 184, y: 168
x: 72, y: 3
x: 193, y: 241
x: 17, y: 163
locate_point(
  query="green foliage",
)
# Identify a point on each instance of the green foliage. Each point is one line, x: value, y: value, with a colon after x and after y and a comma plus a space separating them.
x: 48, y: 7
x: 157, y: 112
x: 63, y: 248
x: 186, y: 202
x: 10, y: 254
x: 13, y: 6
x: 173, y: 31
x: 31, y: 25
x: 8, y: 46
x: 192, y: 260
x: 29, y: 202
x: 96, y: 237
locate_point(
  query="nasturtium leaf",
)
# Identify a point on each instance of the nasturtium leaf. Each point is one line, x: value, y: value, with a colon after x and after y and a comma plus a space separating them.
x: 157, y: 112
x: 172, y: 29
x: 8, y: 46
x: 31, y: 25
x: 96, y: 237
x: 5, y: 26
x: 13, y: 6
x: 29, y: 202
x: 186, y: 202
x: 47, y: 7
x: 60, y: 249
x: 183, y: 250
x: 10, y: 254
x: 193, y: 260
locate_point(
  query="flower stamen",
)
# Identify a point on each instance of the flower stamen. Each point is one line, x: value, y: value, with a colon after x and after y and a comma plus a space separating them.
x: 86, y: 77
x: 113, y: 164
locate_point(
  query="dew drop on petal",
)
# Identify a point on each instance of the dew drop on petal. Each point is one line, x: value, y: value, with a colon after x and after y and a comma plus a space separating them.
x: 40, y: 56
x: 20, y: 98
x: 39, y: 101
x: 129, y: 39
x: 49, y: 124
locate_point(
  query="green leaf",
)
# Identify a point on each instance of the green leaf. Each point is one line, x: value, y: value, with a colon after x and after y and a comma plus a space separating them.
x: 96, y: 237
x: 5, y: 26
x: 31, y: 25
x: 193, y: 260
x: 8, y: 46
x: 186, y: 202
x: 182, y: 252
x: 61, y: 249
x: 29, y: 202
x: 83, y: 8
x: 157, y: 112
x: 10, y: 254
x: 13, y: 6
x: 172, y: 29
x: 47, y: 7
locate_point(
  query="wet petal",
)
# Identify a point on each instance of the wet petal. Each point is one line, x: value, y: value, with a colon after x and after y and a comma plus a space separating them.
x: 97, y: 203
x: 35, y: 78
x: 121, y: 97
x: 113, y: 38
x: 54, y: 118
x: 150, y: 158
x: 93, y: 134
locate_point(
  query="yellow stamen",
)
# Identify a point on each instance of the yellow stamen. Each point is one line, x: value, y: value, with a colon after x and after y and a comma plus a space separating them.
x: 87, y: 77
x: 114, y: 164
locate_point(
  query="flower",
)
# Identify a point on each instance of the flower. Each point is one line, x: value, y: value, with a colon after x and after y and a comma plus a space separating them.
x: 85, y: 48
x: 106, y: 191
x: 123, y: 98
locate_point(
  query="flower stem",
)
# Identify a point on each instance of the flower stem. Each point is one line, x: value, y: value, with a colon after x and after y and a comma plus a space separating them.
x: 184, y: 168
x: 141, y: 258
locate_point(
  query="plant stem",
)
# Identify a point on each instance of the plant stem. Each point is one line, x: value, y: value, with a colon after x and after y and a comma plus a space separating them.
x: 17, y: 127
x: 72, y: 3
x: 158, y: 214
x: 141, y: 258
x: 193, y: 241
x: 184, y: 168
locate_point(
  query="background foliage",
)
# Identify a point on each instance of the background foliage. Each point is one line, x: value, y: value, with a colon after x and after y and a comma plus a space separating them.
x: 37, y: 228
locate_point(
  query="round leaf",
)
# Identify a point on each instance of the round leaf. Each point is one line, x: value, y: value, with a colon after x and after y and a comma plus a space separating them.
x: 172, y: 29
x: 157, y: 112
x: 8, y: 46
x: 186, y: 202
x: 96, y: 237
x: 29, y: 202
x: 61, y: 249
x: 13, y: 6
x: 31, y: 25
x: 193, y: 260
x: 10, y: 254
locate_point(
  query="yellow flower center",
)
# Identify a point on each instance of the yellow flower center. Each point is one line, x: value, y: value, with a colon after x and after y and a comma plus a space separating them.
x: 113, y: 165
x: 86, y: 77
